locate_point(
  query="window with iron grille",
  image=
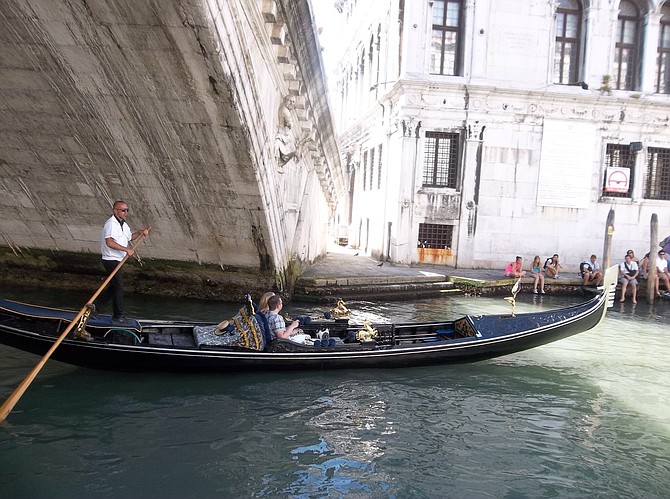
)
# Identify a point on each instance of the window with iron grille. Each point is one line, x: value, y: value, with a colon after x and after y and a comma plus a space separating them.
x: 437, y: 236
x: 663, y: 63
x: 658, y: 173
x: 379, y: 168
x: 440, y: 161
x: 568, y: 41
x: 446, y: 39
x: 372, y: 166
x: 627, y: 48
x: 619, y: 156
x: 365, y: 169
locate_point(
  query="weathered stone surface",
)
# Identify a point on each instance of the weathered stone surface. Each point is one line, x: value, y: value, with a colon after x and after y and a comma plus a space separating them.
x: 172, y: 106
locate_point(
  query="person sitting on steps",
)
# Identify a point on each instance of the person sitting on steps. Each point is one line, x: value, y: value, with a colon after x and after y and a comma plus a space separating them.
x: 590, y: 272
x: 515, y: 269
x: 662, y: 273
x: 552, y: 267
x: 644, y: 267
x: 536, y: 273
x: 628, y: 272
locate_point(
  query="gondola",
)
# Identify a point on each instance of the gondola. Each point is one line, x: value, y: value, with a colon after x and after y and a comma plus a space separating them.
x: 179, y: 346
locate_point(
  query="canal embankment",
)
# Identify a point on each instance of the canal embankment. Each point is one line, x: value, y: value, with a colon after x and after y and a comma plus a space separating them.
x: 348, y: 275
x: 343, y: 273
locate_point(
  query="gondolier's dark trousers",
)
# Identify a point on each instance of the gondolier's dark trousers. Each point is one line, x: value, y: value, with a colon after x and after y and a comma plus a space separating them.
x: 114, y: 289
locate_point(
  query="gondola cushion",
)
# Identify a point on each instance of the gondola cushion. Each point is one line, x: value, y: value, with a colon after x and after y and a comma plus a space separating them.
x: 246, y: 333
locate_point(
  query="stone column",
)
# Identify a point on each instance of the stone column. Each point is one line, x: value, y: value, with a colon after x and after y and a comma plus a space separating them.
x: 467, y: 227
x: 403, y: 248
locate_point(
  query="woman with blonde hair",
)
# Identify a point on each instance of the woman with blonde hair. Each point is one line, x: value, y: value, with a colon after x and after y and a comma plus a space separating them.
x: 263, y: 303
x: 536, y: 273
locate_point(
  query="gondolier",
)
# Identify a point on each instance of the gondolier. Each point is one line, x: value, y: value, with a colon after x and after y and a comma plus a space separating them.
x: 114, y: 245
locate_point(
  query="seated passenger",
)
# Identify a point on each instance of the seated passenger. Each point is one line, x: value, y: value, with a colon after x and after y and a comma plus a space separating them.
x: 263, y: 303
x: 277, y: 324
x: 515, y: 269
x: 536, y: 273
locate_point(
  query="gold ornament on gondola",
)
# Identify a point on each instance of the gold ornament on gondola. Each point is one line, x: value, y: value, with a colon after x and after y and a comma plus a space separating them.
x: 512, y: 299
x: 367, y: 334
x: 341, y: 311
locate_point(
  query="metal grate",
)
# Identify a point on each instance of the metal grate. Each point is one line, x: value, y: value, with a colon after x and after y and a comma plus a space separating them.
x: 440, y: 164
x: 436, y: 236
x: 365, y: 169
x: 658, y: 174
x: 379, y: 168
x: 619, y: 156
x: 372, y: 166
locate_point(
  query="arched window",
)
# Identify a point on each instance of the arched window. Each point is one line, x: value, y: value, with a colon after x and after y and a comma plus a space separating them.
x: 567, y: 53
x: 446, y: 42
x: 663, y: 64
x: 627, y: 49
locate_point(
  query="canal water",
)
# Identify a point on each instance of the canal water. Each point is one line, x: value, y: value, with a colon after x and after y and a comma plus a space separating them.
x: 584, y: 417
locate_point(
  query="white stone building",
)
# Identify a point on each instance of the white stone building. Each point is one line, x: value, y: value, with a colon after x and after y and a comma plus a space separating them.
x: 477, y: 131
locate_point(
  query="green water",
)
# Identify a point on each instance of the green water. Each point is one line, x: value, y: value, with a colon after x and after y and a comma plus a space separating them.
x: 584, y: 417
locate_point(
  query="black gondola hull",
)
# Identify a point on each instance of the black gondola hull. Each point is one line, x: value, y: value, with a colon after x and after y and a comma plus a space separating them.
x: 489, y: 337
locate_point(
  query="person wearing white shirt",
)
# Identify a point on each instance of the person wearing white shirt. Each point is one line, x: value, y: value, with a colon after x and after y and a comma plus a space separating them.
x: 628, y: 272
x: 661, y: 273
x: 115, y: 244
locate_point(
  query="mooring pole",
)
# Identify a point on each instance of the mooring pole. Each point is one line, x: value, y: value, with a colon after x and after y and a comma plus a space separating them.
x: 651, y: 263
x: 607, y: 248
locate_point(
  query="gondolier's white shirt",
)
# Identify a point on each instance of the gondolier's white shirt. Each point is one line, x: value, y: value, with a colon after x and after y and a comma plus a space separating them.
x: 121, y: 235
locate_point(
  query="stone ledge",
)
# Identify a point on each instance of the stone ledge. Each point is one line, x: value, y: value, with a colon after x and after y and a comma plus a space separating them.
x: 365, y: 280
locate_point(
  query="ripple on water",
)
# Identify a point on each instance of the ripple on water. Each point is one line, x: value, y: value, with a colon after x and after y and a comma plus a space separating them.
x: 586, y: 416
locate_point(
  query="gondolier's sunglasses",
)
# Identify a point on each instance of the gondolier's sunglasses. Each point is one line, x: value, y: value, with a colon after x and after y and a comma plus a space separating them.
x: 124, y: 209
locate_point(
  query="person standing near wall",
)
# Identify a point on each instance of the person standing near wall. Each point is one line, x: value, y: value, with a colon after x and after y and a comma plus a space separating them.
x: 115, y: 244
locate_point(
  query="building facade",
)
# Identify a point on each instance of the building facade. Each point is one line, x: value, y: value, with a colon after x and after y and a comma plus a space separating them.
x: 477, y: 131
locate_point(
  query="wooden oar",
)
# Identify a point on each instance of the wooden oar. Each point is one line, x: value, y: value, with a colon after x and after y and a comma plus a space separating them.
x: 13, y: 399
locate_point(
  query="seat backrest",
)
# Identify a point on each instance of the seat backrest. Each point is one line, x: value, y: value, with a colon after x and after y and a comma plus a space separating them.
x: 263, y: 321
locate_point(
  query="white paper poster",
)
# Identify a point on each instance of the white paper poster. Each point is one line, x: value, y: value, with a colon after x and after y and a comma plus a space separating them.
x: 566, y: 164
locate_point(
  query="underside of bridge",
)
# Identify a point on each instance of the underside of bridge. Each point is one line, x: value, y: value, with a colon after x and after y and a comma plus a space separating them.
x: 210, y: 118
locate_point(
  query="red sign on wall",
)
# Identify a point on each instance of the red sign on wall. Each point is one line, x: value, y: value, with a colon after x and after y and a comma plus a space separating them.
x: 617, y: 180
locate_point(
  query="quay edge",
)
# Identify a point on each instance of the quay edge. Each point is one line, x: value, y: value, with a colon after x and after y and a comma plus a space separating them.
x: 44, y: 269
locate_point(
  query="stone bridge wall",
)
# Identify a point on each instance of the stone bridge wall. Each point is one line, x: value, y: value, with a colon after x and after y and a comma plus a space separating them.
x: 173, y: 106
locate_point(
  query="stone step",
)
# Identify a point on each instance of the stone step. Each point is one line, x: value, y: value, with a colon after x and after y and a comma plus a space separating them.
x: 399, y: 287
x: 357, y: 290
